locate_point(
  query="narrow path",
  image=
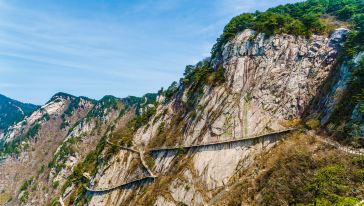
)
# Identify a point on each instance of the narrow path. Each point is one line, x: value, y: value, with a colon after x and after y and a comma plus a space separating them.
x: 61, y: 201
x: 153, y: 176
x: 141, y: 154
x: 337, y: 145
x: 221, y: 142
x: 101, y: 190
x: 346, y: 149
x: 122, y: 147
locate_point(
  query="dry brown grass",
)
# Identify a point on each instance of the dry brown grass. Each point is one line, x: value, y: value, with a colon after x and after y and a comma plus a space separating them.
x: 4, y: 198
x: 281, y: 176
x: 291, y: 123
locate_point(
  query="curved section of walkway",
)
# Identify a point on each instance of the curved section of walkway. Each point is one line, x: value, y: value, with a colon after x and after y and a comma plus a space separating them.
x: 141, y: 156
x: 122, y: 147
x: 145, y: 164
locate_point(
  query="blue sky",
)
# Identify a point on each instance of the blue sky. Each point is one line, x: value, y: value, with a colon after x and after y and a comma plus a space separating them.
x: 98, y: 47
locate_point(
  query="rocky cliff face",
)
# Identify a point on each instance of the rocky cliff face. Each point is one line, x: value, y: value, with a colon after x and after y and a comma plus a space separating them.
x: 277, y: 77
x: 269, y: 83
x: 28, y: 145
x: 41, y: 151
x: 336, y: 93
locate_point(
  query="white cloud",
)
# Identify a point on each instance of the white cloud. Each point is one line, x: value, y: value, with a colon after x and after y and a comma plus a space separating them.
x: 144, y: 46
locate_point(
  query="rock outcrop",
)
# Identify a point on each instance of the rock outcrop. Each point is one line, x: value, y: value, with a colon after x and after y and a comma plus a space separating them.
x: 269, y: 82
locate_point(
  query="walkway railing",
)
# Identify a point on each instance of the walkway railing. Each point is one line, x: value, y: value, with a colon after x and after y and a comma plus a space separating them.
x: 101, y: 190
x: 222, y: 142
x: 152, y: 175
x: 122, y: 147
x: 346, y: 149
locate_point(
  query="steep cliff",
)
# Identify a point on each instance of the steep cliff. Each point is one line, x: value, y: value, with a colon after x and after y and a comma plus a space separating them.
x: 268, y: 83
x: 248, y: 126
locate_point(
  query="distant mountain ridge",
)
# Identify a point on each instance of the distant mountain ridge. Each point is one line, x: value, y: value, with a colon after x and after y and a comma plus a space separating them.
x: 12, y: 111
x: 57, y: 136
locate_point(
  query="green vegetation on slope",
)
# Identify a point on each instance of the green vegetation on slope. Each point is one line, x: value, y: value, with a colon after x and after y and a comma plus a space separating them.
x: 13, y: 146
x: 192, y: 84
x: 311, y: 174
x: 354, y: 94
x: 106, y: 103
x: 303, y: 19
x: 75, y: 104
x: 194, y: 79
x: 323, y: 179
x: 306, y: 18
x: 104, y: 151
x: 88, y: 165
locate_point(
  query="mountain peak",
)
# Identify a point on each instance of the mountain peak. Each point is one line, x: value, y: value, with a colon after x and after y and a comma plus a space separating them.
x: 12, y: 111
x: 61, y: 95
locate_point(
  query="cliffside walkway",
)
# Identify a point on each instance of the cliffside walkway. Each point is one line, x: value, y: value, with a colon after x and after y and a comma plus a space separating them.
x: 346, y: 149
x: 126, y: 184
x: 141, y: 155
x: 153, y: 176
x: 139, y: 152
x: 122, y: 147
x: 337, y: 145
x: 263, y: 136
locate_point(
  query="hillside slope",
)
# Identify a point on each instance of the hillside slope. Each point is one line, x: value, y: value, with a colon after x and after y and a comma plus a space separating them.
x: 269, y: 81
x: 248, y: 126
x: 12, y: 111
x: 43, y: 148
x: 263, y: 78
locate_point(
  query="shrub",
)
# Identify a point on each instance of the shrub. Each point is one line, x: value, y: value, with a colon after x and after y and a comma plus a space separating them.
x: 328, y: 183
x: 161, y: 128
x: 313, y: 123
x: 33, y: 130
x: 123, y: 136
x: 359, y: 161
x: 181, y: 150
x: 24, y: 185
x: 46, y: 117
x: 5, y: 198
x: 171, y: 91
x: 149, y: 161
x: 24, y: 197
x: 55, y: 184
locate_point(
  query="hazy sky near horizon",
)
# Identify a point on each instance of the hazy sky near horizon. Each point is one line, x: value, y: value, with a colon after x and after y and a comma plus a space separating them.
x: 97, y: 47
